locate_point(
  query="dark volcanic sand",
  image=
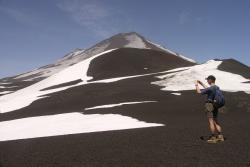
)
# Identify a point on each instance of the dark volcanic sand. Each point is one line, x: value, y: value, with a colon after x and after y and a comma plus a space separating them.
x: 233, y: 66
x: 129, y: 61
x: 176, y: 144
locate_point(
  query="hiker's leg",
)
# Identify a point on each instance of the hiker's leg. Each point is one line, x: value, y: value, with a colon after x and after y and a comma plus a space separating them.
x: 211, y: 125
x: 216, y: 123
x: 217, y: 126
x: 220, y: 137
x: 210, y: 117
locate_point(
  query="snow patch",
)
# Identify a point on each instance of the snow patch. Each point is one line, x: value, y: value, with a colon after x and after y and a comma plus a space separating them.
x: 109, y: 80
x: 31, y: 79
x: 66, y: 124
x: 184, y: 80
x: 2, y: 87
x: 71, y: 55
x: 5, y: 92
x: 5, y: 83
x: 186, y: 58
x: 119, y: 104
x: 176, y: 94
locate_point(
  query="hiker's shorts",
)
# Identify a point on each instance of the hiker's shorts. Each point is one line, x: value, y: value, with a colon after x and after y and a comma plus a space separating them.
x: 211, y: 111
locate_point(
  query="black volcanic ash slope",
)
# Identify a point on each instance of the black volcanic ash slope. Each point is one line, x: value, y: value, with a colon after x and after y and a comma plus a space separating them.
x: 131, y: 61
x: 162, y: 146
x: 234, y: 66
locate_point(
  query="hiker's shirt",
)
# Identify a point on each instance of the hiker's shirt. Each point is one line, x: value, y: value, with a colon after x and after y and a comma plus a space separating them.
x: 210, y: 92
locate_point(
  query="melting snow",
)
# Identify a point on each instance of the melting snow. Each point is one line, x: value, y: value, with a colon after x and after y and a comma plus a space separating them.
x: 126, y: 77
x: 65, y: 124
x: 5, y: 92
x: 184, y: 80
x: 186, y: 58
x: 176, y: 94
x: 5, y: 83
x: 119, y: 104
x: 1, y: 87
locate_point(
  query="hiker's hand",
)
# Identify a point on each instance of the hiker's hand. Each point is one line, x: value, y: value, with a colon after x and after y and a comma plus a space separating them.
x: 196, y: 82
x: 199, y: 82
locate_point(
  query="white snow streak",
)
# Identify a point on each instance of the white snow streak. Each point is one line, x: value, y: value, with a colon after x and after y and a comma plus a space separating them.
x: 65, y: 124
x: 5, y: 92
x: 5, y: 83
x: 126, y: 77
x: 171, y: 52
x: 184, y: 80
x: 186, y: 58
x: 4, y: 87
x: 119, y: 104
x: 176, y: 94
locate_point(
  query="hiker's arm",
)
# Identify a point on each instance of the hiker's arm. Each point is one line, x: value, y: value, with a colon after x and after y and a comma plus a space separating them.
x: 197, y: 87
x: 202, y: 84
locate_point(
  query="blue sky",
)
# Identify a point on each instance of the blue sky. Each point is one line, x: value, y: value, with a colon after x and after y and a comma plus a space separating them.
x: 35, y: 33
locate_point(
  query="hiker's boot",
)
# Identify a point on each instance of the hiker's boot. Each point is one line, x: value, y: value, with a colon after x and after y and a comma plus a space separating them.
x: 212, y: 140
x: 220, y: 138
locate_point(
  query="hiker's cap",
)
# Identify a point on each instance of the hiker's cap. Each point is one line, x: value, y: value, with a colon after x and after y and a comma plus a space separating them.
x: 211, y: 77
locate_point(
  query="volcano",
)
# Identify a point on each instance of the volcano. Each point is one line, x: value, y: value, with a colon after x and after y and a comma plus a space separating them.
x: 127, y: 43
x: 126, y: 101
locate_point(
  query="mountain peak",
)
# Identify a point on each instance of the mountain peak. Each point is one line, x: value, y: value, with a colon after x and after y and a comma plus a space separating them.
x: 129, y: 33
x: 125, y: 40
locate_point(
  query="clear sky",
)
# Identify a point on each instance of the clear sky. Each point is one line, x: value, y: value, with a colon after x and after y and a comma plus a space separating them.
x: 38, y: 32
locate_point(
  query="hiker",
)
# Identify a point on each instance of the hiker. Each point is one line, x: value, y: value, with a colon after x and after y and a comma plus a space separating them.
x: 215, y: 100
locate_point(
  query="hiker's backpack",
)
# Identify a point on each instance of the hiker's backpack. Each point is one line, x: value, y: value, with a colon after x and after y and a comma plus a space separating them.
x: 219, y: 99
